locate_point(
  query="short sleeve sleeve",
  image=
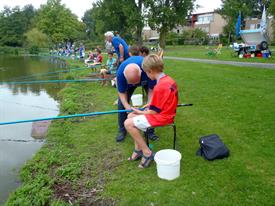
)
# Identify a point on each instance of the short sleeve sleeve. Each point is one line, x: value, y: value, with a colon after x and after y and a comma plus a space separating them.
x: 121, y: 82
x: 116, y: 44
x: 152, y: 83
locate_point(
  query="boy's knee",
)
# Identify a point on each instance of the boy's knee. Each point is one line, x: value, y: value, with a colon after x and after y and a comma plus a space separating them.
x: 128, y: 123
x: 131, y: 115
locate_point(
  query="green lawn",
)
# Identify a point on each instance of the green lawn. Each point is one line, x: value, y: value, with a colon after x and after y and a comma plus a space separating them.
x: 82, y: 163
x: 201, y: 52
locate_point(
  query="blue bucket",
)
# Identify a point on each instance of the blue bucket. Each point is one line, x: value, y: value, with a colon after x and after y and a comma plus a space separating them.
x: 265, y: 55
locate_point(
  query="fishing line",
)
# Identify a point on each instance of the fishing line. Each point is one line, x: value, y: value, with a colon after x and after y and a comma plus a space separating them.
x: 55, y: 81
x: 45, y: 73
x: 27, y: 105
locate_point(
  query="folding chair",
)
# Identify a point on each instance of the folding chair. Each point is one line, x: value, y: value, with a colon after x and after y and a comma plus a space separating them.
x: 216, y: 51
x: 173, y: 125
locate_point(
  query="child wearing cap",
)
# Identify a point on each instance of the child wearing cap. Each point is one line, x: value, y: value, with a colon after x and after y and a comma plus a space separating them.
x: 161, y: 110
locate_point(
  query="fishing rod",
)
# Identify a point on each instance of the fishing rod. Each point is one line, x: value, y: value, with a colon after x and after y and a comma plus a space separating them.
x: 45, y: 73
x: 22, y: 140
x: 57, y: 75
x: 55, y: 81
x: 78, y: 115
x: 39, y: 77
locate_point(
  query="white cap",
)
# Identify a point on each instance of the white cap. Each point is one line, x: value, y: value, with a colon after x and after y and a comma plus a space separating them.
x: 109, y: 33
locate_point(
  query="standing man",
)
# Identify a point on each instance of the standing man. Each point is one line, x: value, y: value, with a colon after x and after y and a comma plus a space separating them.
x: 120, y: 46
x: 129, y: 76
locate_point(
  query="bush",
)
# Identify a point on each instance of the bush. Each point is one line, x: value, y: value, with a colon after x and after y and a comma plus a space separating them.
x: 11, y: 50
x: 189, y: 37
x: 34, y: 50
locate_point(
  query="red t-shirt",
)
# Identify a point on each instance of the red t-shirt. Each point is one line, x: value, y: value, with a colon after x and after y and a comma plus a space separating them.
x: 164, y: 102
x: 99, y: 58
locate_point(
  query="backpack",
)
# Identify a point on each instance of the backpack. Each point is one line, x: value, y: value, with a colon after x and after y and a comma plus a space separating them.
x: 212, y: 147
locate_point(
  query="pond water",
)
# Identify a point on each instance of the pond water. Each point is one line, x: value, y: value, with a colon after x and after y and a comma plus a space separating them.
x: 18, y: 102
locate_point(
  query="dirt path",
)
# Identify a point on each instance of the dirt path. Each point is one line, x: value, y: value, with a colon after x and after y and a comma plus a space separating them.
x: 233, y: 63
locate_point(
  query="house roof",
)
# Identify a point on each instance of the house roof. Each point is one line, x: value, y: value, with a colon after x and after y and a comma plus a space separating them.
x: 202, y: 13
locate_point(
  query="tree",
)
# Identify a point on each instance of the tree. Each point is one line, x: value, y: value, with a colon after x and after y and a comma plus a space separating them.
x: 58, y: 22
x: 164, y: 15
x: 14, y: 22
x: 136, y: 18
x: 90, y: 24
x: 258, y: 7
x: 272, y: 11
x: 36, y: 38
x: 125, y: 17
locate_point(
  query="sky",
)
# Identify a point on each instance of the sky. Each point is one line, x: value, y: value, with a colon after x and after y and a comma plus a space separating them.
x: 208, y: 5
x: 78, y: 7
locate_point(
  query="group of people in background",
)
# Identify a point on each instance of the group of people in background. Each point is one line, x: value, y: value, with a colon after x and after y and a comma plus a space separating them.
x: 69, y: 50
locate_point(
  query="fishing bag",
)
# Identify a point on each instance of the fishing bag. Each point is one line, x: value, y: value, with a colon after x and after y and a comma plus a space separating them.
x: 212, y: 147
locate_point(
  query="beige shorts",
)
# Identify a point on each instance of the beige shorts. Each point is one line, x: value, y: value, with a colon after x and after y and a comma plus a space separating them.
x: 141, y: 122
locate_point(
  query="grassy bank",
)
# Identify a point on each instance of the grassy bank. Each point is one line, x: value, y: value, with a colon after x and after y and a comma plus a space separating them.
x: 227, y: 54
x: 81, y: 164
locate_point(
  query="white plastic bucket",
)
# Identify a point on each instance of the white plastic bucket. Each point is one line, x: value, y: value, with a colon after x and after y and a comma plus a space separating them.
x: 168, y: 164
x: 137, y: 100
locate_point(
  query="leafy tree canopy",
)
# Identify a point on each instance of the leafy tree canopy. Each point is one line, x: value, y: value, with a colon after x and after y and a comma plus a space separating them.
x: 164, y: 15
x: 125, y: 17
x: 34, y: 37
x: 14, y: 22
x: 58, y: 22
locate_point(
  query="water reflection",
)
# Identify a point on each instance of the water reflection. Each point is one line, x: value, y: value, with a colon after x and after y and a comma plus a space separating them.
x: 14, y: 68
x: 18, y: 102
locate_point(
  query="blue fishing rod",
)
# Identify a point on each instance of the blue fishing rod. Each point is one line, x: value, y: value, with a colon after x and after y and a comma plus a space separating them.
x: 47, y: 73
x: 52, y: 75
x: 77, y: 115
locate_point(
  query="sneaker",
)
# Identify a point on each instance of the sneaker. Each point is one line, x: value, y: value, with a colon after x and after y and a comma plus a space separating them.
x: 120, y: 137
x: 153, y: 137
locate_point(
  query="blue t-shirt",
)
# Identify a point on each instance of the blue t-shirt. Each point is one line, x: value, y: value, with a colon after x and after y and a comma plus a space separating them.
x: 116, y: 42
x: 122, y: 84
x: 110, y: 63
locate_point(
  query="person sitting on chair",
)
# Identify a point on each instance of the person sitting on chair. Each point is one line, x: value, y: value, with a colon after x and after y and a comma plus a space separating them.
x: 161, y: 110
x: 110, y: 67
x: 90, y: 58
x: 98, y: 60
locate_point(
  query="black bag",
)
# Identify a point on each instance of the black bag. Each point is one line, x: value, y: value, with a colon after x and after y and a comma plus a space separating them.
x: 212, y: 148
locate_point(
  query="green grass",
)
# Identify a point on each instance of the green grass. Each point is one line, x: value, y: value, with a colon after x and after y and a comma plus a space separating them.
x: 82, y: 163
x: 201, y: 53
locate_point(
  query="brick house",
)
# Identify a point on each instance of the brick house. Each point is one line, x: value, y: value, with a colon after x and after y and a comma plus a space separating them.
x: 210, y: 22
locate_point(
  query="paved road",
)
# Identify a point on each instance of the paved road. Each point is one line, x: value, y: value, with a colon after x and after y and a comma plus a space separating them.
x: 210, y: 61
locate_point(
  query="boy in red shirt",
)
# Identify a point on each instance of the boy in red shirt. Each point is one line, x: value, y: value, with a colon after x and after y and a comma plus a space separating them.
x: 98, y: 60
x: 161, y: 110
